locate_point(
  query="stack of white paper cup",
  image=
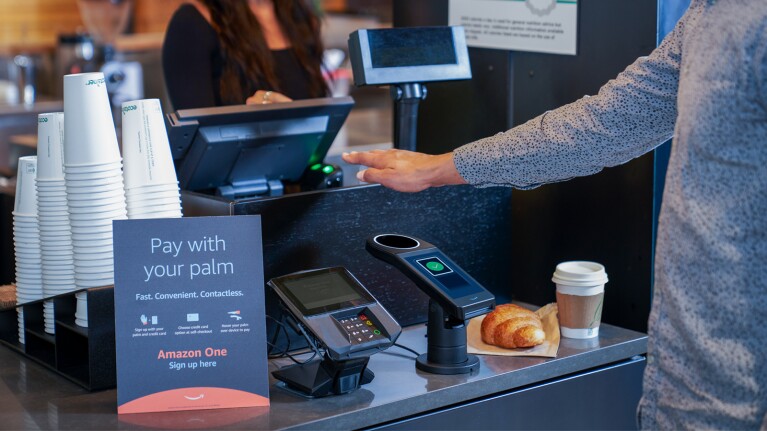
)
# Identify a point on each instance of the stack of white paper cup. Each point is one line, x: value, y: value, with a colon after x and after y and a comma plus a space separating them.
x: 55, y: 233
x: 26, y: 238
x: 94, y: 182
x: 151, y: 186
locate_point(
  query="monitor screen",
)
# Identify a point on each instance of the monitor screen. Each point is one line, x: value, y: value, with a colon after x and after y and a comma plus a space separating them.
x: 237, y: 145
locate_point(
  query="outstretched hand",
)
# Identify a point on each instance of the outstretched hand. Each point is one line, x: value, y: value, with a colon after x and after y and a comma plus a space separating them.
x: 405, y: 171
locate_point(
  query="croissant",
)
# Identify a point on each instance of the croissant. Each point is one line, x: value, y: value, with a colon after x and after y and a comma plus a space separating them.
x: 512, y: 326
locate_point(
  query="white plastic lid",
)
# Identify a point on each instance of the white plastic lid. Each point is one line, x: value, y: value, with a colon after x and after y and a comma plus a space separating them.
x: 580, y: 274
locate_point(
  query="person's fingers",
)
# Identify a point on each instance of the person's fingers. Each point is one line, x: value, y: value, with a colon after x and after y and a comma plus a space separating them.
x: 375, y: 159
x: 373, y: 175
x: 262, y: 97
x: 391, y: 179
x: 279, y: 98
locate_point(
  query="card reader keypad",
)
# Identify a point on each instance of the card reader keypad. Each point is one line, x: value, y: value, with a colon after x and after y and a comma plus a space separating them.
x: 360, y: 329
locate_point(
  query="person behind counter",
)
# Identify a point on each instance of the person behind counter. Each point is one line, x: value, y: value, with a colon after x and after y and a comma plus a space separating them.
x: 706, y: 85
x: 230, y: 52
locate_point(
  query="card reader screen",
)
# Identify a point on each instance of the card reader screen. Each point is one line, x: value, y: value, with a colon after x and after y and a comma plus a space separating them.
x: 412, y: 47
x: 324, y: 292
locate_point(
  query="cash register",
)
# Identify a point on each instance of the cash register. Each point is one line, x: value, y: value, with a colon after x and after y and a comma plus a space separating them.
x: 246, y: 151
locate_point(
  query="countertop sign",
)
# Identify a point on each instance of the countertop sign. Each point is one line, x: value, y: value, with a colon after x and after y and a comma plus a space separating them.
x: 189, y: 314
x: 548, y: 26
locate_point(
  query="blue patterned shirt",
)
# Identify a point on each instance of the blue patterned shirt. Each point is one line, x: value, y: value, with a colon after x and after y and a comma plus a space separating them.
x: 705, y: 85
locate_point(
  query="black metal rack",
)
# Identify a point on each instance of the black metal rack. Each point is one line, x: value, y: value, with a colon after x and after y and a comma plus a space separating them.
x: 85, y: 356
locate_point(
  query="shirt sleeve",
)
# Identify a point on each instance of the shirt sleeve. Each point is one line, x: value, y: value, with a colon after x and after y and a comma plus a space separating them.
x: 631, y: 115
x: 187, y: 60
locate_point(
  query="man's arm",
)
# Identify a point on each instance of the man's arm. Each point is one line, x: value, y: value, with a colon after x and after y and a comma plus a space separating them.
x: 630, y: 115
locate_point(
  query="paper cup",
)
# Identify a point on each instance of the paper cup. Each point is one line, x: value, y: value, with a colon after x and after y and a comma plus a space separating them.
x: 85, y: 250
x: 103, y: 212
x: 50, y: 151
x: 101, y: 282
x: 92, y: 229
x: 159, y: 205
x: 103, y: 264
x: 75, y: 185
x: 87, y: 224
x: 89, y: 130
x: 93, y: 176
x: 50, y: 191
x: 92, y: 236
x: 81, y: 309
x: 26, y: 192
x: 170, y: 186
x: 97, y: 203
x: 20, y: 312
x: 94, y: 167
x: 48, y: 317
x: 580, y: 296
x: 146, y: 151
x: 155, y: 215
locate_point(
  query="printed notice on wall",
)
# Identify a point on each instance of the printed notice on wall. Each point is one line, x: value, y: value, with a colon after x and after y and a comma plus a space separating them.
x: 189, y: 314
x: 548, y: 26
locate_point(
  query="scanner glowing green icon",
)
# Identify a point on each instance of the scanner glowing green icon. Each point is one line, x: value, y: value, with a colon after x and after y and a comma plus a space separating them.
x: 435, y: 266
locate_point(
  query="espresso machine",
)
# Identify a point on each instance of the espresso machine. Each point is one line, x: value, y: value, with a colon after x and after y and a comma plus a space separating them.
x: 104, y: 21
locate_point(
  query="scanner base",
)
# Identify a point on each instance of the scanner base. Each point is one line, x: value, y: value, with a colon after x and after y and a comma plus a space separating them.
x: 471, y: 365
x: 446, y: 340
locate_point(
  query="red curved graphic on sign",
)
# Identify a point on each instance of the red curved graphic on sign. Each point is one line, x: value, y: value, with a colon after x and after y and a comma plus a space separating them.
x: 193, y: 399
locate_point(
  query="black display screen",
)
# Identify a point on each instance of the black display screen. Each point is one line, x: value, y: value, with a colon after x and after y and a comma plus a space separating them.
x: 324, y: 292
x: 401, y: 47
x: 436, y: 268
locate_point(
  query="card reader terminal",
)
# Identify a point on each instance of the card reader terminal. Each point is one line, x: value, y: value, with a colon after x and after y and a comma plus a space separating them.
x: 443, y: 280
x: 338, y: 310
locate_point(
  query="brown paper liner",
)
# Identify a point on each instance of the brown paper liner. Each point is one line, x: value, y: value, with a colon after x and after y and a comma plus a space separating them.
x: 548, y: 315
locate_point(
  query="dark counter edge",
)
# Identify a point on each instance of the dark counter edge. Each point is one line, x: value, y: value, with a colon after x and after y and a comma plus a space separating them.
x: 635, y: 344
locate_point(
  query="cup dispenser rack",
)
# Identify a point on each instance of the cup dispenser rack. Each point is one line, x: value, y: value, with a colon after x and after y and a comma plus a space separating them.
x: 85, y: 356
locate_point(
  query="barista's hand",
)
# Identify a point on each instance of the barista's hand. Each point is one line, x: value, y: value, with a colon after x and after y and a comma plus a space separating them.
x: 262, y: 97
x: 405, y: 171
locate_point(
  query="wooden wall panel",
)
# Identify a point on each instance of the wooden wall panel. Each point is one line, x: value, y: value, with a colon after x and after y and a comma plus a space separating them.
x: 36, y: 23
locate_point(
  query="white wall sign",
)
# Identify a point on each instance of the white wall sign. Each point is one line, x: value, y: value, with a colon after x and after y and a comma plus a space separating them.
x: 548, y: 26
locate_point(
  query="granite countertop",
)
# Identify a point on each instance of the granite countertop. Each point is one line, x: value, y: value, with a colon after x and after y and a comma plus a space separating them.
x: 35, y: 398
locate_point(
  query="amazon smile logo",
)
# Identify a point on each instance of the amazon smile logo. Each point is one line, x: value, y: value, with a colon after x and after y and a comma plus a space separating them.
x: 199, y: 397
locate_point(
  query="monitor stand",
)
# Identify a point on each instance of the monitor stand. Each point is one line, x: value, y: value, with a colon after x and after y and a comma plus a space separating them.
x: 258, y: 186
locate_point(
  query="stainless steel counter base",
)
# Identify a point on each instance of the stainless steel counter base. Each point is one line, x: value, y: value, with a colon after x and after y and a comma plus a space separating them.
x: 603, y: 370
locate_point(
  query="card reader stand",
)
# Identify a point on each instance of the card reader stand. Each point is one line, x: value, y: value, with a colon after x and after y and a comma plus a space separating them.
x: 325, y: 377
x: 454, y: 296
x: 406, y: 97
x: 333, y: 310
